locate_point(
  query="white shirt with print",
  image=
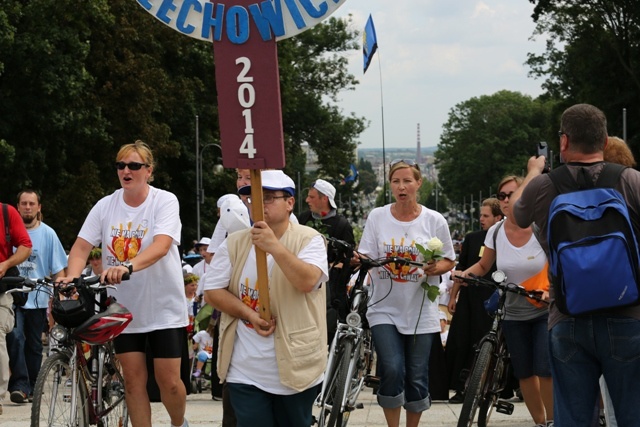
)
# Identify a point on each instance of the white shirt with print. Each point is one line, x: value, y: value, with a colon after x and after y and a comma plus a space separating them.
x: 397, y: 298
x: 155, y: 296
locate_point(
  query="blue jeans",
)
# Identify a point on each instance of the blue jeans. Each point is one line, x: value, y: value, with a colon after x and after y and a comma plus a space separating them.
x: 255, y: 407
x: 403, y: 368
x: 582, y: 349
x: 25, y: 349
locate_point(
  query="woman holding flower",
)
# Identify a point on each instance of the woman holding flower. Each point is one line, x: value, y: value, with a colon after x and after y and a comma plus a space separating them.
x: 404, y: 320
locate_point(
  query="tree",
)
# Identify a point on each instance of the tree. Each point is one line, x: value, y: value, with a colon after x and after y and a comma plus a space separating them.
x: 487, y: 137
x: 593, y: 56
x: 78, y: 80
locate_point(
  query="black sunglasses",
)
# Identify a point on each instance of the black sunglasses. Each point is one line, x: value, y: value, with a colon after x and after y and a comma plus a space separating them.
x: 502, y: 195
x: 133, y: 166
x: 410, y: 163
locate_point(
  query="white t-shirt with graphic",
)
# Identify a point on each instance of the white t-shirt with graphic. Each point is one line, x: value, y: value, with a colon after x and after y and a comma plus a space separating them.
x: 155, y: 296
x: 397, y: 295
x: 205, y: 342
x: 253, y: 360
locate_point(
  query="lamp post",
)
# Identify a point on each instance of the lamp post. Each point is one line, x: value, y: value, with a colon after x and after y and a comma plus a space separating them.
x: 217, y: 168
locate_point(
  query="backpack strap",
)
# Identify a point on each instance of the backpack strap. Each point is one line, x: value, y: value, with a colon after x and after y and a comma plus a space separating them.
x: 610, y: 175
x: 564, y: 182
x: 495, y: 236
x: 7, y: 231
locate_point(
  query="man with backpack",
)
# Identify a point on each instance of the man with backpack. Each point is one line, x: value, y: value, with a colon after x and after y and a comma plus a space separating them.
x: 588, y: 214
x: 15, y: 236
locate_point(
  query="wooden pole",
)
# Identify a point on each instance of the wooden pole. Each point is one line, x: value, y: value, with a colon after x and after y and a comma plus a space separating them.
x: 257, y: 214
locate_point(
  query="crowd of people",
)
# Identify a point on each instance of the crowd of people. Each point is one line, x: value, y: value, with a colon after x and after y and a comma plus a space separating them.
x: 218, y: 312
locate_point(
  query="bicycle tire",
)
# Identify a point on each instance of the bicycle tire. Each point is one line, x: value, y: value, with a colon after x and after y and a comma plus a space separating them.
x: 113, y: 393
x: 339, y: 387
x: 499, y: 378
x: 474, y: 395
x: 51, y: 397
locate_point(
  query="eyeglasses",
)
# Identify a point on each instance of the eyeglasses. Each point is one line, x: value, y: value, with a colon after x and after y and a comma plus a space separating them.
x: 502, y: 195
x: 133, y: 166
x: 560, y: 133
x: 267, y: 199
x: 409, y: 163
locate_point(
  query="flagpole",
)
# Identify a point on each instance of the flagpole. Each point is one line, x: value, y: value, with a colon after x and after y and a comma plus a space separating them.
x: 384, y: 156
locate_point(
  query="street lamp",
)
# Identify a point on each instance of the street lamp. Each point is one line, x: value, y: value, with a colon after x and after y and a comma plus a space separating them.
x: 217, y: 168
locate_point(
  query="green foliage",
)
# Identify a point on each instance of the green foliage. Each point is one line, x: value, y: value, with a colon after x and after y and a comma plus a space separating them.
x: 488, y: 137
x: 78, y: 80
x: 592, y: 56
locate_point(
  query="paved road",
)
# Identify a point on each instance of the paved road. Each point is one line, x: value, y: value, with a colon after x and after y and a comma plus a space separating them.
x: 202, y: 411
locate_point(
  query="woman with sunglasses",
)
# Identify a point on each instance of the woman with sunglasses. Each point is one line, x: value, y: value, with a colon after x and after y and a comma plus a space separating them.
x: 518, y: 253
x: 139, y: 229
x: 404, y: 322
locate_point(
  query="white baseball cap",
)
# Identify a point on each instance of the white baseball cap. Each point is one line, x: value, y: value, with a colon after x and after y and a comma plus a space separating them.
x: 234, y: 215
x: 273, y: 180
x: 327, y: 189
x: 224, y: 198
x: 204, y: 241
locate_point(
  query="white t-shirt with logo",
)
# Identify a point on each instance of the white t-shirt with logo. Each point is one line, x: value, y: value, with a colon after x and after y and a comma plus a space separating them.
x: 155, y: 295
x: 253, y: 360
x: 397, y: 298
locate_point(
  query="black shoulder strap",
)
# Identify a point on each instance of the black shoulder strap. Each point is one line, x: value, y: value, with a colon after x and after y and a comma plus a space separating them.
x: 495, y: 235
x: 564, y: 182
x: 7, y: 232
x: 610, y: 175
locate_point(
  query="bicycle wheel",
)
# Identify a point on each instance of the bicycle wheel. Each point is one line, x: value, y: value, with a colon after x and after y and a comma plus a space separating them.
x: 474, y: 395
x: 52, y: 396
x: 337, y: 416
x: 114, y: 406
x: 499, y: 378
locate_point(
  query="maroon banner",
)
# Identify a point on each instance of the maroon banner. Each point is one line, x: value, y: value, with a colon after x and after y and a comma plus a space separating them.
x: 248, y: 84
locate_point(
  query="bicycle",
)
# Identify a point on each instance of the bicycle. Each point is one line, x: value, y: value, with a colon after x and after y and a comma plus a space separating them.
x: 351, y: 353
x: 73, y: 388
x: 488, y: 374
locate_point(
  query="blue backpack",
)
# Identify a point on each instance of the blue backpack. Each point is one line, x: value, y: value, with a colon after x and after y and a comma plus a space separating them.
x: 593, y: 251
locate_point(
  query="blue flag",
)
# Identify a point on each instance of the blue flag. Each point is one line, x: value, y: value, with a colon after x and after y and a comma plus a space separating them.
x: 352, y: 176
x: 369, y: 43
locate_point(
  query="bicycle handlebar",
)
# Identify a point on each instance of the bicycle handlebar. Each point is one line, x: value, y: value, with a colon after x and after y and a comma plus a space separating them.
x: 28, y: 285
x: 505, y: 286
x: 346, y: 251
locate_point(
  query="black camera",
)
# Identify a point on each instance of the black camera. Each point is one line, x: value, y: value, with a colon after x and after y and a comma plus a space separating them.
x: 543, y: 150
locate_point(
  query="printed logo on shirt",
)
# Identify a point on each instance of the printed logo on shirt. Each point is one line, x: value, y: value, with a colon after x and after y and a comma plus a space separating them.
x: 249, y: 297
x: 125, y: 243
x: 401, y: 273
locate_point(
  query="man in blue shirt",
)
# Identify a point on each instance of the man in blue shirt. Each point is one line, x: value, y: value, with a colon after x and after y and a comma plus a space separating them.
x: 47, y: 258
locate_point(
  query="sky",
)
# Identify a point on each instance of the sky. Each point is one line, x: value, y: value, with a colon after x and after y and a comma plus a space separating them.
x: 433, y: 55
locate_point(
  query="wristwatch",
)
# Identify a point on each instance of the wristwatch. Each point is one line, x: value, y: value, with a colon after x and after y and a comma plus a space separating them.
x: 129, y: 266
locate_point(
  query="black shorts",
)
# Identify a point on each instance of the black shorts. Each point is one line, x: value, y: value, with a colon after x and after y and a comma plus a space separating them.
x: 163, y: 343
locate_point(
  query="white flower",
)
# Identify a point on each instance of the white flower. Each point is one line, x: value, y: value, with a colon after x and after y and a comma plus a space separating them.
x: 435, y: 245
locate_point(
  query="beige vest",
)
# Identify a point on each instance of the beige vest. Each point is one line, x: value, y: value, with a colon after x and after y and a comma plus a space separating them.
x: 301, y: 328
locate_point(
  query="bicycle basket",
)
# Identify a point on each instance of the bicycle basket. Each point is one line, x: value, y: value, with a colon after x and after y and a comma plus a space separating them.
x: 73, y: 312
x: 105, y: 326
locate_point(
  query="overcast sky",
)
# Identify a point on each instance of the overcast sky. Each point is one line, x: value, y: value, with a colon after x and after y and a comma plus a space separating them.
x: 433, y: 55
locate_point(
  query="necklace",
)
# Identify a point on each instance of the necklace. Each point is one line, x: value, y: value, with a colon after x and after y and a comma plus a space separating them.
x: 413, y: 215
x: 33, y: 225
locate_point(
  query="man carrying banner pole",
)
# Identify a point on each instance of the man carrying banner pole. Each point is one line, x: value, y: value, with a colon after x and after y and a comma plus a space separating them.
x: 271, y: 367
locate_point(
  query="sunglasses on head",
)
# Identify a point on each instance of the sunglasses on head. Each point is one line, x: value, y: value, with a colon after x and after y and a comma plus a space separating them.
x: 502, y: 195
x: 410, y: 163
x: 133, y: 166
